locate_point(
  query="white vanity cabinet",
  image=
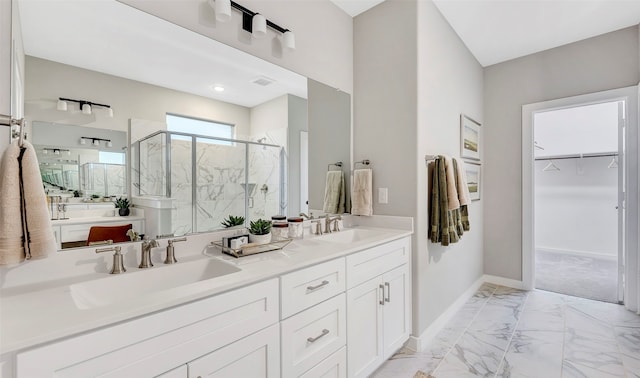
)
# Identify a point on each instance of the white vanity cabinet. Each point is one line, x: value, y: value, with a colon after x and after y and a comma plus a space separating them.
x: 155, y: 344
x: 378, y: 305
x: 318, y: 330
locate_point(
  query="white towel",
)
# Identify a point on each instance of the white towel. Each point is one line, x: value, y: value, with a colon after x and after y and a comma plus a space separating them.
x: 362, y: 192
x: 334, y: 193
x: 452, y: 191
x: 37, y: 222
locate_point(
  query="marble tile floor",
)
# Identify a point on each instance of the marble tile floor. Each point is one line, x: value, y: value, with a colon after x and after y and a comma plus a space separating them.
x: 505, y: 332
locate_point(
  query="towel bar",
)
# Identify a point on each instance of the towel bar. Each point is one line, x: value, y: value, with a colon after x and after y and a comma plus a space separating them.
x: 365, y: 162
x: 429, y: 158
x: 336, y: 164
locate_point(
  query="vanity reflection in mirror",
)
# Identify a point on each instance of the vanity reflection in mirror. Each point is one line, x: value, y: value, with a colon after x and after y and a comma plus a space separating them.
x: 253, y: 139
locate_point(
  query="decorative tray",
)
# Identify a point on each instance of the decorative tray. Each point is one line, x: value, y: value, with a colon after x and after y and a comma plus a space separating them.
x: 251, y: 248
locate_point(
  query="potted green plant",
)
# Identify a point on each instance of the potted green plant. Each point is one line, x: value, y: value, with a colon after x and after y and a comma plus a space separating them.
x: 260, y: 231
x: 95, y: 197
x: 123, y: 206
x: 233, y: 221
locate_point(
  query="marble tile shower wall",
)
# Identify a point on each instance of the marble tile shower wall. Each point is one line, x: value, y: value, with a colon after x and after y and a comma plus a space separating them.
x: 103, y: 179
x: 220, y: 175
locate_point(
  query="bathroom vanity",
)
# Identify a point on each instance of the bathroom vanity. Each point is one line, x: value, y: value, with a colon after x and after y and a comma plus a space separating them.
x: 332, y: 305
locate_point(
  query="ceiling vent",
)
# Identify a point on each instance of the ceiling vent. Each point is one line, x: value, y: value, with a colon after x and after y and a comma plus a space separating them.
x: 262, y: 81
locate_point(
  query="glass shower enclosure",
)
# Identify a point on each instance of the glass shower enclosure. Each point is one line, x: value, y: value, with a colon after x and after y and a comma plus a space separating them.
x: 205, y: 179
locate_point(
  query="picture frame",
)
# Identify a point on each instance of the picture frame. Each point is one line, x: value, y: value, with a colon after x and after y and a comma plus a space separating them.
x: 474, y: 179
x: 470, y: 138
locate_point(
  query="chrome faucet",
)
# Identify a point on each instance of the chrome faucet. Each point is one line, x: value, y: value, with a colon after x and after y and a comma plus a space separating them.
x: 333, y: 220
x: 171, y: 256
x: 145, y: 258
x: 118, y: 261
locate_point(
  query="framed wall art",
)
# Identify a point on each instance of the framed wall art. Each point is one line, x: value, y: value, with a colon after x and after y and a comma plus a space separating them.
x: 470, y: 138
x: 472, y: 172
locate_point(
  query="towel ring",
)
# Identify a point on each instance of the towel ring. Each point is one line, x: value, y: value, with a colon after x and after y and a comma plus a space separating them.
x: 366, y: 163
x: 336, y: 164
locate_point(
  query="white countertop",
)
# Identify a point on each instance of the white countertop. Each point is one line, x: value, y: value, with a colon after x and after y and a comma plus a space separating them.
x: 96, y: 220
x: 36, y: 313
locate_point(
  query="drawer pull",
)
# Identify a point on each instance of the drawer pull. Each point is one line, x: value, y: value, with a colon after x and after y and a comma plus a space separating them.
x: 318, y: 286
x: 388, y: 297
x: 314, y: 339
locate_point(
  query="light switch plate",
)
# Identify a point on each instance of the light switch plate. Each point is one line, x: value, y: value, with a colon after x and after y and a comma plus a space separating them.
x: 383, y: 195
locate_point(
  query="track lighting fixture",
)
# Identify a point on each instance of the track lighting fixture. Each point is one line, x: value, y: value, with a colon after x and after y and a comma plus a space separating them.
x: 85, y: 106
x: 55, y: 151
x: 96, y: 141
x: 252, y: 22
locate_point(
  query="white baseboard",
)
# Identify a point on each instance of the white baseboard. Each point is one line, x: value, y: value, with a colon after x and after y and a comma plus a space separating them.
x: 508, y: 282
x: 594, y: 255
x: 419, y: 343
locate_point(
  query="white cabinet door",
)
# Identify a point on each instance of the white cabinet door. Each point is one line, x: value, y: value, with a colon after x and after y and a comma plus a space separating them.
x: 257, y: 355
x: 396, y: 311
x: 364, y: 328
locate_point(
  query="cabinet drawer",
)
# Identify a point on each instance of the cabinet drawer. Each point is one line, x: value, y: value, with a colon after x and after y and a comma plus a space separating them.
x: 307, y: 287
x: 363, y: 266
x: 334, y: 366
x: 313, y: 335
x: 154, y: 344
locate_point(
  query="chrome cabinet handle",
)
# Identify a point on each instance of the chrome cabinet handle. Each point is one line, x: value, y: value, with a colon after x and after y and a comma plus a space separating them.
x: 314, y: 339
x: 382, y: 290
x: 388, y: 297
x: 313, y: 288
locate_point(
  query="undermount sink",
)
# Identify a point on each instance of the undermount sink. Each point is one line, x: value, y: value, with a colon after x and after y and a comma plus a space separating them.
x: 113, y: 289
x: 351, y: 235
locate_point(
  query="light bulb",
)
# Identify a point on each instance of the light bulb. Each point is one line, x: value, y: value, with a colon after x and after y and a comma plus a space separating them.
x: 86, y: 109
x: 110, y: 112
x: 45, y: 151
x: 223, y: 10
x: 83, y: 141
x: 109, y: 144
x: 62, y: 105
x: 56, y: 152
x: 259, y: 26
x: 96, y: 142
x: 289, y: 40
x: 68, y: 152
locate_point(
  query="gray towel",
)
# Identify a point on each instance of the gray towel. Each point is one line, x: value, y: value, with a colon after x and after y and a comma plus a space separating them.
x: 334, y: 193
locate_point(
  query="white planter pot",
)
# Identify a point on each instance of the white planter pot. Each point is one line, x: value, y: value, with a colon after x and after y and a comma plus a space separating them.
x: 260, y: 239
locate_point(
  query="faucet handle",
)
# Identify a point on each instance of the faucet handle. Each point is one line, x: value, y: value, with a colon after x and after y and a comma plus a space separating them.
x: 318, y: 227
x: 118, y: 261
x: 171, y: 256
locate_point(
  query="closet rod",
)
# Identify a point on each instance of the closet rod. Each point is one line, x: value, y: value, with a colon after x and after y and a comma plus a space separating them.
x: 576, y: 156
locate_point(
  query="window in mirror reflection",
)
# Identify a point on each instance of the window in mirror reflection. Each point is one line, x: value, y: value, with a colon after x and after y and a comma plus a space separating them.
x: 111, y: 157
x: 201, y: 127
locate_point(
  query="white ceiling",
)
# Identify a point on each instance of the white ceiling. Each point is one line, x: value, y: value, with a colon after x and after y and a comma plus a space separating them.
x: 113, y: 38
x: 355, y: 7
x: 499, y: 30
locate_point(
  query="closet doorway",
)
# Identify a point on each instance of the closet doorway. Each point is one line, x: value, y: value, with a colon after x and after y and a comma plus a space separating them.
x: 578, y: 218
x: 574, y: 177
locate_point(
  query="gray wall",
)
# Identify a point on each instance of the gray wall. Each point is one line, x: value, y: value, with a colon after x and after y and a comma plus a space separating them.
x: 298, y: 121
x: 324, y: 45
x: 596, y: 64
x: 329, y: 130
x: 413, y: 78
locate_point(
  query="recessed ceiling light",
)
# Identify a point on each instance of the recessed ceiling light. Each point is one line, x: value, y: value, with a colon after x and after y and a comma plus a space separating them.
x: 217, y: 88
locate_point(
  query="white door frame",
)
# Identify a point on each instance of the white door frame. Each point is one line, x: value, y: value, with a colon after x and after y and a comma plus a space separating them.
x: 630, y: 96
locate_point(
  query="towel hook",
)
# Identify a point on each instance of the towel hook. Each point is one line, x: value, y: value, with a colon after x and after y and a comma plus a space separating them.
x: 8, y: 121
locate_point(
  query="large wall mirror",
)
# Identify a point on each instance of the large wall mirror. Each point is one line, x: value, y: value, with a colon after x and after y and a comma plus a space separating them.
x: 247, y: 137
